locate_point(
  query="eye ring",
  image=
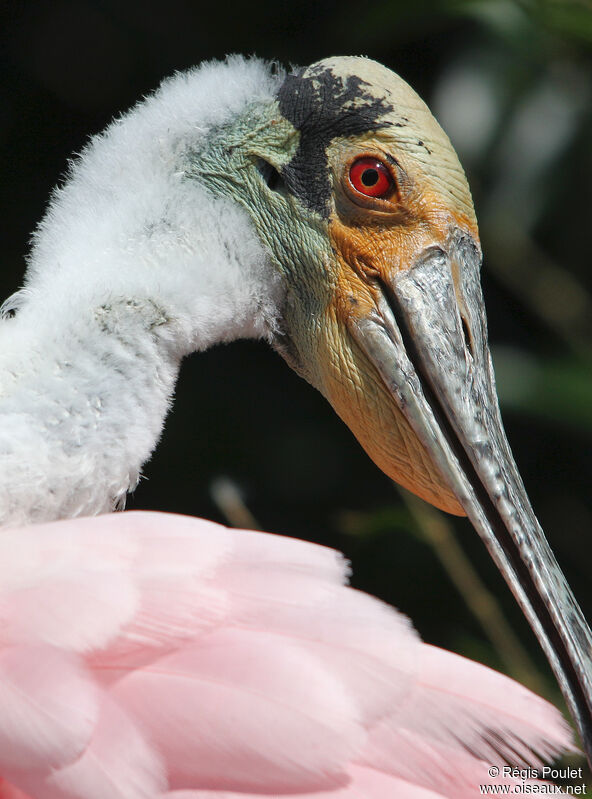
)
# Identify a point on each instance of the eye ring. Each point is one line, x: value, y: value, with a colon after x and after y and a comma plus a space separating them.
x: 371, y: 177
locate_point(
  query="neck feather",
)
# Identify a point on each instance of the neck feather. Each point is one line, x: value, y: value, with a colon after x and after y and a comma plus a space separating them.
x: 133, y: 267
x: 82, y: 406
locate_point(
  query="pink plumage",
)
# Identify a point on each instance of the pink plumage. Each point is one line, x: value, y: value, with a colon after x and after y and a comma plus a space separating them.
x: 148, y: 655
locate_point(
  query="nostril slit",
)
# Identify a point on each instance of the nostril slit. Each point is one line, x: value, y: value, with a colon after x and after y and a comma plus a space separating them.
x: 467, y: 335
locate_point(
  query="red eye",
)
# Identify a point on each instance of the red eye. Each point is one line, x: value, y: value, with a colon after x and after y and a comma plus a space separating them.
x: 371, y: 177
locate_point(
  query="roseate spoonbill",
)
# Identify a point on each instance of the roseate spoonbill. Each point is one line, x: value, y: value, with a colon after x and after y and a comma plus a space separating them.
x: 326, y: 211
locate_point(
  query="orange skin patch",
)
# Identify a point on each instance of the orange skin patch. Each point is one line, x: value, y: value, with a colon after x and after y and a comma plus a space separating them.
x: 369, y: 240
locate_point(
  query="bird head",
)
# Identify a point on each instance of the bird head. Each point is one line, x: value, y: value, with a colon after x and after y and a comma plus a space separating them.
x: 351, y: 184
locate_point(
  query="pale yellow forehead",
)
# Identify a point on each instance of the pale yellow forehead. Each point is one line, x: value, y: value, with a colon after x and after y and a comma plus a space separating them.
x: 409, y: 124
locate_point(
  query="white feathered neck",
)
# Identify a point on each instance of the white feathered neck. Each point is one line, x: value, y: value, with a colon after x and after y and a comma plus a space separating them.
x: 132, y: 267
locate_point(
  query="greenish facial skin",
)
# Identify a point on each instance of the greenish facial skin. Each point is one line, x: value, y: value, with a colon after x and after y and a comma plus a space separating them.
x: 233, y: 165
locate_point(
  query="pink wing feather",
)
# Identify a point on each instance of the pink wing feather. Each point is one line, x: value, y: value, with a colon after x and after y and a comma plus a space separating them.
x: 148, y: 655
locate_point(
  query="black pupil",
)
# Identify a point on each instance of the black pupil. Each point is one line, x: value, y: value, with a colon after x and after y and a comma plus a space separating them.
x: 370, y: 177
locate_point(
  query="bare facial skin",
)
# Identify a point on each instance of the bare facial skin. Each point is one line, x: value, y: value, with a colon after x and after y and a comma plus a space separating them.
x: 373, y: 237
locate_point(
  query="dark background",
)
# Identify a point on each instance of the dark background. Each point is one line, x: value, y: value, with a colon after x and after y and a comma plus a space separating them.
x: 511, y: 82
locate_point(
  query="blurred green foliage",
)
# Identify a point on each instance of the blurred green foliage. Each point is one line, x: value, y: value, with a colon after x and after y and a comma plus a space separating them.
x: 511, y: 82
x: 563, y: 17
